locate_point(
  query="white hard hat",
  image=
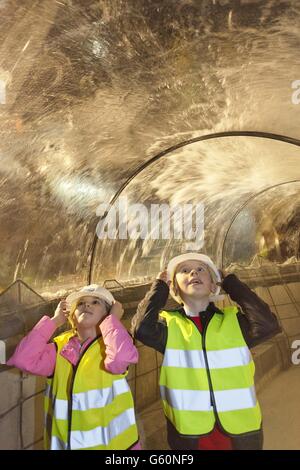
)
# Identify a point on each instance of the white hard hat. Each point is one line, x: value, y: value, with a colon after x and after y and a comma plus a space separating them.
x: 174, y: 262
x: 93, y: 290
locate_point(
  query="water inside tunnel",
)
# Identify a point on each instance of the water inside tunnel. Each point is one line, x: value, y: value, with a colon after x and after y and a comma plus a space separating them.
x: 159, y: 103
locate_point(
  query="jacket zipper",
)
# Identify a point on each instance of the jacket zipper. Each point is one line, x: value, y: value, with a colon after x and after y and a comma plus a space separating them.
x: 212, y: 396
x: 70, y: 401
x: 211, y: 387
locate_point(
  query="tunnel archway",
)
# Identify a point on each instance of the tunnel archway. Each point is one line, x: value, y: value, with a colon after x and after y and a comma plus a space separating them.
x: 137, y: 171
x: 244, y: 207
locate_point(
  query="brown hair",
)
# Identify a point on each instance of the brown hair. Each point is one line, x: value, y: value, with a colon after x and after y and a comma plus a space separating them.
x: 71, y: 318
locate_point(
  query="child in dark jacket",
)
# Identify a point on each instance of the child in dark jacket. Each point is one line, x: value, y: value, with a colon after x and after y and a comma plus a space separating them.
x: 207, y: 374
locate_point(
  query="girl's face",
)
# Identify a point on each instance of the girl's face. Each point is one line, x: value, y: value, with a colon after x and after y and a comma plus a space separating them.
x: 89, y: 312
x: 193, y: 279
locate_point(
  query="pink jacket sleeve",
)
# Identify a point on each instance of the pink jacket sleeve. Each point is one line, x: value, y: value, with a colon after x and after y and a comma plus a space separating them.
x: 119, y: 347
x: 33, y: 354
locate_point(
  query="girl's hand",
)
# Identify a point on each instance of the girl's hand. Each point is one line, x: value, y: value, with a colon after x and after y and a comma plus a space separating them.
x: 163, y: 276
x: 61, y: 313
x: 117, y: 309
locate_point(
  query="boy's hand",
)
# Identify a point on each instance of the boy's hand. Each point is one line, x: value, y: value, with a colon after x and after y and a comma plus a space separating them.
x: 163, y: 276
x: 61, y: 313
x: 223, y: 274
x: 117, y: 309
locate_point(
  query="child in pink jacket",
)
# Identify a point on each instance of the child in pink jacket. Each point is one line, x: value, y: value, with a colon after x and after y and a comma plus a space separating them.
x: 88, y: 403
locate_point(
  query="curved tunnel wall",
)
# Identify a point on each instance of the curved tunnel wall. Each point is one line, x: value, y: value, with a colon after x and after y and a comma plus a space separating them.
x: 92, y: 89
x: 155, y: 75
x: 193, y: 171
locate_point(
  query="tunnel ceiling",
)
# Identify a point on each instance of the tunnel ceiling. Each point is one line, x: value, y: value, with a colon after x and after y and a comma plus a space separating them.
x: 90, y: 90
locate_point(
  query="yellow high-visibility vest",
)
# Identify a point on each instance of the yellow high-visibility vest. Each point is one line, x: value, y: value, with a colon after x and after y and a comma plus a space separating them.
x: 87, y: 407
x: 208, y: 377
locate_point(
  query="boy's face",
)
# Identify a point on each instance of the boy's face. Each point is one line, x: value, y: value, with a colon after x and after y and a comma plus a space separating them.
x: 89, y: 312
x: 194, y: 280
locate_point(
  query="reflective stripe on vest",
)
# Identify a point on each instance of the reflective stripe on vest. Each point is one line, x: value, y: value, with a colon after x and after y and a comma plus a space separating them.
x: 102, y: 412
x: 91, y: 399
x: 101, y: 436
x: 184, y: 377
x: 232, y: 357
x: 57, y: 444
x: 199, y: 400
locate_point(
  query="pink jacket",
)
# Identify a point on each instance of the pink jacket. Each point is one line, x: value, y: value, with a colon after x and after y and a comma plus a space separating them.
x: 36, y: 356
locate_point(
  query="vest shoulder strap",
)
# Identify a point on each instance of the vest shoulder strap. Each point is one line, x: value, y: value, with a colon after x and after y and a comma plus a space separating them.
x: 230, y: 309
x: 63, y: 338
x: 167, y: 314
